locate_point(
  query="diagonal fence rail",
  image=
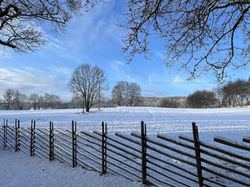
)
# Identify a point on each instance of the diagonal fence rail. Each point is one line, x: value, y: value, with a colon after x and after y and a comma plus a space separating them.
x: 152, y: 160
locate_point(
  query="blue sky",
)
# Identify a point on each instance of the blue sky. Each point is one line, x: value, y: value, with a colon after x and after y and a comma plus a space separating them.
x: 95, y: 39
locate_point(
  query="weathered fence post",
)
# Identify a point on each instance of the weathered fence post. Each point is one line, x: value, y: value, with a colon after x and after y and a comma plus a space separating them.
x: 197, y: 153
x: 104, y: 148
x: 51, y: 141
x: 5, y: 122
x: 2, y: 130
x: 17, y: 135
x: 74, y: 145
x: 32, y: 137
x: 143, y: 159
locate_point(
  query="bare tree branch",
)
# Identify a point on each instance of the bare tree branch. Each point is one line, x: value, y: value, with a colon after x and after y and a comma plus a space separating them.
x: 199, y: 35
x: 20, y: 21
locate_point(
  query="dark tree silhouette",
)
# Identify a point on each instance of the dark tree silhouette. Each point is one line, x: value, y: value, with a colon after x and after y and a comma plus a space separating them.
x: 20, y: 21
x: 201, y: 99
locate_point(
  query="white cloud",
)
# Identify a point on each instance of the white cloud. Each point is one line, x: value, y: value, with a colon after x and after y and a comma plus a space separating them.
x: 29, y: 81
x: 87, y: 33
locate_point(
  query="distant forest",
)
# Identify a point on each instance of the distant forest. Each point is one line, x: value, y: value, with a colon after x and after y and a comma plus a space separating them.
x: 232, y: 94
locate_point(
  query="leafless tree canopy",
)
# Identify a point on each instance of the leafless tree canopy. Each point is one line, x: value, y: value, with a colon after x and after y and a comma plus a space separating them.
x: 199, y: 35
x: 20, y: 20
x: 125, y: 93
x: 88, y: 82
x: 119, y: 93
x: 14, y: 99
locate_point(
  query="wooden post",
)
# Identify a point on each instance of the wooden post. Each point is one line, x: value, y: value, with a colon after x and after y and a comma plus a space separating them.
x: 2, y: 127
x: 32, y: 137
x: 51, y: 141
x: 5, y: 122
x: 144, y: 161
x: 17, y: 135
x: 104, y: 148
x: 6, y: 133
x: 197, y: 153
x: 74, y: 145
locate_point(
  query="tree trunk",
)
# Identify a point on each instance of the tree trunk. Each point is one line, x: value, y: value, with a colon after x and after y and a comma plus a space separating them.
x: 87, y: 109
x: 87, y: 106
x: 83, y: 105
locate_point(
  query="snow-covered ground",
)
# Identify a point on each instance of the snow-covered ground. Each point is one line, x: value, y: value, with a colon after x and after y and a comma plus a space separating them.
x: 19, y: 170
x: 227, y: 122
x: 16, y: 168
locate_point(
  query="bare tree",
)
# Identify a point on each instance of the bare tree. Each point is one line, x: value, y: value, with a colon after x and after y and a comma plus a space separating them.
x: 20, y: 21
x: 134, y: 93
x: 14, y: 99
x: 120, y: 93
x: 198, y: 34
x: 46, y: 100
x: 9, y: 96
x: 125, y: 93
x: 236, y: 93
x: 41, y: 102
x: 87, y: 81
x: 51, y: 100
x: 34, y: 98
x: 19, y: 100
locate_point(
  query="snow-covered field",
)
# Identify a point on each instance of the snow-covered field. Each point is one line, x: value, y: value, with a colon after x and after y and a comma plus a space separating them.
x: 17, y: 169
x: 227, y: 122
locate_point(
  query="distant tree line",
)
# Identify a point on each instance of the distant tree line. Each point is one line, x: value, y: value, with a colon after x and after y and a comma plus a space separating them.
x: 235, y: 93
x: 15, y: 100
x: 232, y: 94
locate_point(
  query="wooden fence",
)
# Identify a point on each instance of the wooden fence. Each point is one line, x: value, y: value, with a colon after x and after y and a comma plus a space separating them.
x: 153, y: 160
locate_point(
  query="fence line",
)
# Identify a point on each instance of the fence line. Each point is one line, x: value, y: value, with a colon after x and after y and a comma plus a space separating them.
x: 160, y: 160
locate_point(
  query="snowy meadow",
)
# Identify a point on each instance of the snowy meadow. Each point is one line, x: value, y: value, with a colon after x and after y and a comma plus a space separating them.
x: 232, y: 123
x: 226, y: 122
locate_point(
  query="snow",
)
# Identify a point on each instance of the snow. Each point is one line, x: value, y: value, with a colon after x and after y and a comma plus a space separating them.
x: 231, y: 123
x: 227, y: 122
x: 17, y: 169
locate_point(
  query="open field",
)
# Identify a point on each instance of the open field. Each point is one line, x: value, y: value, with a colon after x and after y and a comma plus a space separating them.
x: 232, y: 123
x: 228, y: 122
